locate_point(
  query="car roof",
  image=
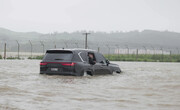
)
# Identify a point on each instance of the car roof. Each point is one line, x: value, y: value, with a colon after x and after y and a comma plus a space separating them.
x: 74, y: 50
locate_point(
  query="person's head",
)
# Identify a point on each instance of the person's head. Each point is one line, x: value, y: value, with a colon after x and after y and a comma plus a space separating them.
x: 91, y: 55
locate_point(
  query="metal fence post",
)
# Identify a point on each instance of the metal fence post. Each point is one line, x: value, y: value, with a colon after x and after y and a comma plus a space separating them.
x: 145, y: 49
x: 137, y: 54
x: 5, y: 51
x: 108, y: 51
x: 18, y: 48
x: 118, y: 50
x: 127, y: 50
x: 77, y: 45
x: 98, y: 49
x: 31, y: 47
x: 42, y: 46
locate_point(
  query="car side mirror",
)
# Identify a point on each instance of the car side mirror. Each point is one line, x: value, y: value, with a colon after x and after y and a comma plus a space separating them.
x: 107, y: 62
x: 102, y: 62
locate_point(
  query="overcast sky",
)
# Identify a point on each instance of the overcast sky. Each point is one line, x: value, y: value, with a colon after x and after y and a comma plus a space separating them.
x: 99, y: 15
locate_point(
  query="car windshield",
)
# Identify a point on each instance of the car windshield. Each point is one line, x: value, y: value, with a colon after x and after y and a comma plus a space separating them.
x: 58, y: 57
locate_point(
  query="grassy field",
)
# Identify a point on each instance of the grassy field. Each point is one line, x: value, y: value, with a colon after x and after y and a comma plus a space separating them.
x: 130, y: 57
x: 133, y: 57
x: 144, y: 58
x: 37, y: 57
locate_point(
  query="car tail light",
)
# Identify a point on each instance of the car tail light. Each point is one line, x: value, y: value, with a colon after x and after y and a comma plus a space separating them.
x: 62, y: 63
x: 68, y: 64
x: 43, y: 63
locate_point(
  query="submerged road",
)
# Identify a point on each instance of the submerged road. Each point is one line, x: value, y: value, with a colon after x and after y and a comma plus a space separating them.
x: 141, y: 86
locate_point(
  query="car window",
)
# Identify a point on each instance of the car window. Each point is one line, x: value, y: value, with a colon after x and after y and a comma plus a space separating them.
x: 58, y: 56
x: 83, y: 55
x: 100, y: 57
x: 76, y: 58
x: 94, y: 57
x: 91, y: 58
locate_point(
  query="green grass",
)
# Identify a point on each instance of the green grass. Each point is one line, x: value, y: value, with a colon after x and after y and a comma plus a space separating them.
x: 144, y: 58
x: 130, y: 57
x: 13, y: 58
x: 37, y: 57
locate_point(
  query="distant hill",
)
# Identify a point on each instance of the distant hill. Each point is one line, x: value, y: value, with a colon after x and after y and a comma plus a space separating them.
x: 134, y: 39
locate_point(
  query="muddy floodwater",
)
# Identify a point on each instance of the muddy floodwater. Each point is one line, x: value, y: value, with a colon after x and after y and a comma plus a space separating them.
x: 141, y: 86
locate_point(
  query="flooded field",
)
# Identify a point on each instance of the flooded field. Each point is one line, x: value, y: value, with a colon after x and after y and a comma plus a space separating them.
x: 141, y: 86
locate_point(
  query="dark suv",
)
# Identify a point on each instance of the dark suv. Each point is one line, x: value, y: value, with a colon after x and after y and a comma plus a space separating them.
x: 76, y: 62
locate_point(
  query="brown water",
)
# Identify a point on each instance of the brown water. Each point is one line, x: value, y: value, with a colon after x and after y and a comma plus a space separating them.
x: 141, y: 86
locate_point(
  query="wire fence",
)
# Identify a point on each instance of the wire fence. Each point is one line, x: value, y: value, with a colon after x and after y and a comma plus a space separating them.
x: 25, y: 49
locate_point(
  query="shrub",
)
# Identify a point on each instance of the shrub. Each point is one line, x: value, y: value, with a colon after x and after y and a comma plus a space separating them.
x: 37, y: 57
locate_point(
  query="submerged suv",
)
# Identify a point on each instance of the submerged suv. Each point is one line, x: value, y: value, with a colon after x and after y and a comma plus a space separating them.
x: 76, y: 62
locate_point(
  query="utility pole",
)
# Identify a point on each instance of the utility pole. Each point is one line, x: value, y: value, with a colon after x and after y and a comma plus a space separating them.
x: 18, y: 48
x: 31, y: 47
x: 86, y: 34
x: 5, y: 51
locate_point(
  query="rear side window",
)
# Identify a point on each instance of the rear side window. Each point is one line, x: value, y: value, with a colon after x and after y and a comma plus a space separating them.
x: 58, y: 56
x: 83, y: 55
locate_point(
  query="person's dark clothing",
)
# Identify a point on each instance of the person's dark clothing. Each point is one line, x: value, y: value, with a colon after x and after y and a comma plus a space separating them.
x: 92, y: 61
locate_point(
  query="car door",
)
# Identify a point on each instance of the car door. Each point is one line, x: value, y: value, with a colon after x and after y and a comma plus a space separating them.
x: 104, y: 68
x: 95, y: 67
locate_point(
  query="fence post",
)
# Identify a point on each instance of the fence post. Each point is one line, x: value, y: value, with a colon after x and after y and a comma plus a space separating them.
x: 54, y: 44
x: 170, y: 55
x: 137, y: 54
x: 108, y: 51
x: 98, y: 49
x: 153, y: 50
x: 77, y: 45
x: 18, y: 48
x: 145, y: 49
x: 5, y: 51
x: 31, y: 47
x: 43, y: 46
x: 177, y: 50
x: 66, y: 44
x: 127, y: 50
x: 162, y: 53
x: 118, y: 50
